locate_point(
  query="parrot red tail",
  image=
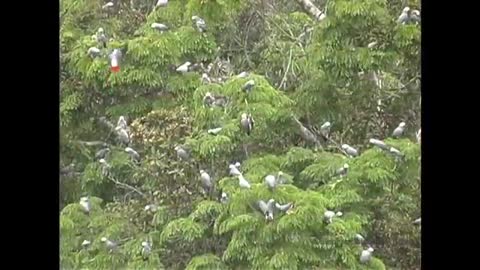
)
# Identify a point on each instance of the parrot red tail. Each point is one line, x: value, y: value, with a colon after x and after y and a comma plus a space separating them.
x: 115, y: 67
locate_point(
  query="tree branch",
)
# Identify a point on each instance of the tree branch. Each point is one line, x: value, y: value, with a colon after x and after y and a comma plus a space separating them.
x: 126, y: 186
x: 311, y: 9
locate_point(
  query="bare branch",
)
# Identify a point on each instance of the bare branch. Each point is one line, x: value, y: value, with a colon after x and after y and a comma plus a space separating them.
x: 127, y: 186
x: 310, y: 8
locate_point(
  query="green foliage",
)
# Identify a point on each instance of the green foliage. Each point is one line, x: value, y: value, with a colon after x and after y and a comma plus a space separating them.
x: 314, y: 71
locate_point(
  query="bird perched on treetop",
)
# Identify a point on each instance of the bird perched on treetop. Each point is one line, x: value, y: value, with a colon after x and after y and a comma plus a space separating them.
x: 404, y: 17
x: 200, y: 24
x: 101, y: 37
x: 159, y: 26
x: 247, y: 123
x: 248, y: 86
x: 399, y: 130
x: 366, y: 255
x: 352, y: 152
x: 184, y: 67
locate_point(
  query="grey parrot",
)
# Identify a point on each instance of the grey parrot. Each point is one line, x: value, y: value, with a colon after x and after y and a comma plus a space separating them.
x: 243, y: 182
x: 350, y: 150
x: 206, y: 181
x: 247, y: 123
x: 182, y: 153
x: 214, y: 131
x: 102, y: 153
x: 270, y: 181
x: 85, y: 204
x: 399, y: 130
x: 184, y: 67
x: 234, y: 171
x: 101, y: 38
x: 342, y: 171
x: 110, y: 245
x: 94, y: 52
x: 284, y: 207
x: 159, y: 26
x: 134, y: 154
x: 161, y: 3
x: 248, y: 86
x: 267, y: 208
x: 404, y: 17
x: 325, y: 129
x: 329, y: 215
x: 243, y: 74
x: 366, y: 255
x: 146, y: 249
x: 200, y: 24
x: 380, y: 144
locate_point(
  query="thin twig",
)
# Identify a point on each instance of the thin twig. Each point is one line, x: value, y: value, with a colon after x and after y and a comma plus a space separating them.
x: 286, y: 70
x: 126, y: 186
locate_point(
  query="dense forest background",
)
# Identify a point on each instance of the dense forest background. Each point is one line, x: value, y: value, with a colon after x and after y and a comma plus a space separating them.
x: 149, y: 177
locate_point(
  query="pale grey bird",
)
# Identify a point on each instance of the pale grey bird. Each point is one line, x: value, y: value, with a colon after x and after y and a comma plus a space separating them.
x: 284, y: 207
x: 206, y: 181
x: 325, y: 129
x: 115, y: 58
x: 372, y: 44
x: 234, y: 171
x: 243, y: 74
x: 366, y: 255
x: 224, y: 198
x: 206, y: 79
x: 122, y: 123
x: 359, y: 238
x: 200, y: 24
x: 247, y: 123
x: 267, y: 208
x: 208, y: 99
x: 399, y: 130
x: 159, y: 26
x: 110, y: 245
x: 214, y: 131
x: 270, y: 181
x: 182, y: 153
x: 161, y: 3
x: 404, y: 17
x: 102, y: 153
x: 417, y: 221
x: 94, y: 52
x: 342, y: 171
x: 243, y: 182
x: 146, y: 249
x: 248, y: 86
x: 415, y: 16
x: 184, y: 67
x: 85, y: 204
x: 350, y: 150
x: 101, y: 37
x: 105, y: 167
x: 396, y: 152
x: 220, y: 101
x: 419, y: 136
x: 281, y: 179
x: 306, y: 134
x: 329, y: 215
x: 123, y: 136
x: 108, y: 5
x: 151, y: 208
x: 134, y: 154
x: 380, y: 144
x: 86, y: 243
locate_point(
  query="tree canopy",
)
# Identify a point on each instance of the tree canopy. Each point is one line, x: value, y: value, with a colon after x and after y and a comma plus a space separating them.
x: 214, y: 134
